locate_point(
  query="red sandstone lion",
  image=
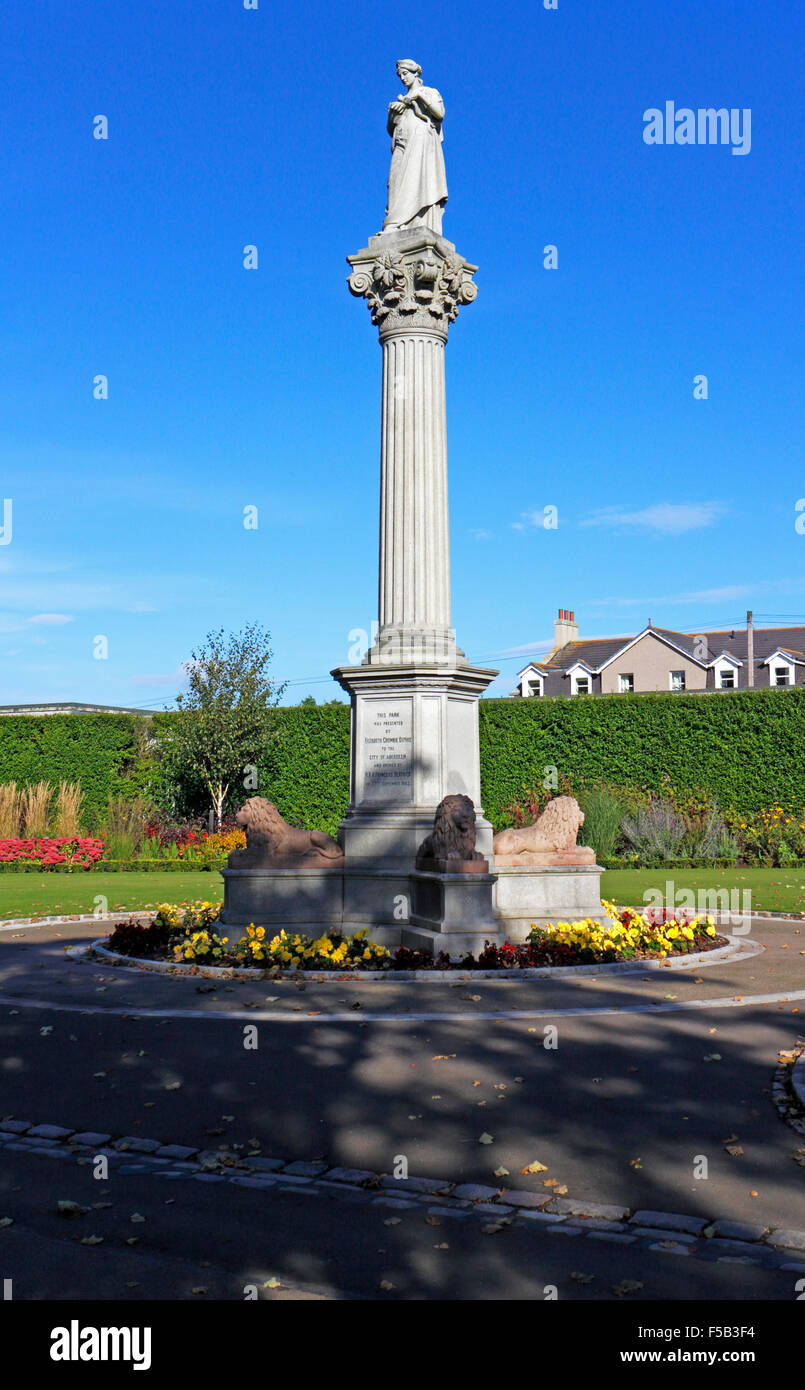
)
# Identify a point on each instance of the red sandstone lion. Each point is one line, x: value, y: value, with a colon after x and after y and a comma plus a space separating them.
x: 453, y: 834
x: 269, y: 838
x: 554, y: 831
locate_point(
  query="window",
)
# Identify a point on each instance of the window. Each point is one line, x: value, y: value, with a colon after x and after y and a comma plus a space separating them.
x: 677, y: 680
x: 626, y: 682
x: 782, y: 675
x: 582, y: 685
x: 726, y: 679
x: 535, y: 687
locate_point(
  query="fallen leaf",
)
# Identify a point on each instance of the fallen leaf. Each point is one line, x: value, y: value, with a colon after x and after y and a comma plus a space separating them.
x: 433, y: 1221
x: 626, y: 1286
x: 6, y: 1220
x: 535, y: 1167
x: 68, y: 1208
x: 734, y: 1149
x: 200, y: 1288
x: 712, y: 1057
x: 272, y: 1283
x: 446, y: 1057
x: 635, y: 1163
x: 504, y: 1172
x: 137, y: 1217
x: 443, y: 1246
x: 92, y: 1240
x: 173, y: 1085
x: 581, y: 1278
x: 393, y: 1221
x: 386, y: 1285
x: 486, y: 1138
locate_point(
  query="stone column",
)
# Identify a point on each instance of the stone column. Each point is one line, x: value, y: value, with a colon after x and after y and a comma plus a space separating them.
x: 415, y: 695
x: 414, y: 579
x: 414, y: 283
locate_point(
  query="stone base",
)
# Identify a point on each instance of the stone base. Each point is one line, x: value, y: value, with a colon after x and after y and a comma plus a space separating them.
x: 454, y: 912
x: 537, y: 896
x: 453, y: 866
x: 306, y: 899
x: 414, y: 740
x: 451, y: 912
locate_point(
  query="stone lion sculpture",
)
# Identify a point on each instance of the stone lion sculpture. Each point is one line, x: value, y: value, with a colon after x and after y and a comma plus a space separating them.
x: 452, y: 840
x: 270, y: 839
x: 551, y: 837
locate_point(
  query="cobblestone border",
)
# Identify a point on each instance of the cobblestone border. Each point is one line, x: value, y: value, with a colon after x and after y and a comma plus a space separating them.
x: 788, y: 1091
x: 743, y: 945
x: 727, y: 1242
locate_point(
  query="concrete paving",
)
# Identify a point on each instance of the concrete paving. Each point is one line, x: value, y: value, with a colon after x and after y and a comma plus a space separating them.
x: 624, y: 1110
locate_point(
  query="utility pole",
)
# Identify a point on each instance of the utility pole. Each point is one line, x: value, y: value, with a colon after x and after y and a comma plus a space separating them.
x: 750, y: 650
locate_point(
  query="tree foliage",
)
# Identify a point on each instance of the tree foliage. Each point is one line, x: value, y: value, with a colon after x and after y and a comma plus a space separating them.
x: 223, y: 727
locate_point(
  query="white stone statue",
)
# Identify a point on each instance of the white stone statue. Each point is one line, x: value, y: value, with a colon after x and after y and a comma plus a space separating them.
x: 417, y: 180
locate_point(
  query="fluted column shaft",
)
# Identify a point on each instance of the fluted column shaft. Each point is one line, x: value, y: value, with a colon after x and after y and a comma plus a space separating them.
x: 414, y: 570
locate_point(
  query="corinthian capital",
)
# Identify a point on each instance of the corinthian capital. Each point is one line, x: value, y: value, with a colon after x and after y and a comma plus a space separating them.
x: 412, y: 280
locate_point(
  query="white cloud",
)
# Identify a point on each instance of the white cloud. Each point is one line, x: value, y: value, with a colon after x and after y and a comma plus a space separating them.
x: 51, y: 619
x: 670, y: 518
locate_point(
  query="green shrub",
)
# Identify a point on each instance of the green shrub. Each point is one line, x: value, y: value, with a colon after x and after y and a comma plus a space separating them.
x: 603, y: 812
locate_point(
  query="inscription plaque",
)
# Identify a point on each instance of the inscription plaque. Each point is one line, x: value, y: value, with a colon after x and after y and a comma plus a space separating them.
x: 387, y: 751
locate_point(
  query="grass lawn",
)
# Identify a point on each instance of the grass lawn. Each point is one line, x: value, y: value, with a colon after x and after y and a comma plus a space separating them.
x: 45, y: 895
x: 781, y: 890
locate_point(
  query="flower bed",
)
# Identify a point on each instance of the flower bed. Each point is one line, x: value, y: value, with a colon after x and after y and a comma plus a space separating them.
x: 73, y: 852
x: 196, y: 936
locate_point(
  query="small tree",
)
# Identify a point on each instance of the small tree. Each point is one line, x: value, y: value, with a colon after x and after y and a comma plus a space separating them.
x: 224, y: 724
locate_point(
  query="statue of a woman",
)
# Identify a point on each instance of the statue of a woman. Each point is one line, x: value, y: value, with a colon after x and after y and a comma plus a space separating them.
x: 417, y: 181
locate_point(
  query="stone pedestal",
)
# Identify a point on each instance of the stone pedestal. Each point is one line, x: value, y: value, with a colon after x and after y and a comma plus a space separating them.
x: 414, y: 739
x: 451, y: 912
x: 304, y: 899
x: 536, y: 896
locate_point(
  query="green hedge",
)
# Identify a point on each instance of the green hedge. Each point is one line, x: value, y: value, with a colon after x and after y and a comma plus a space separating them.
x: 100, y: 750
x: 746, y: 747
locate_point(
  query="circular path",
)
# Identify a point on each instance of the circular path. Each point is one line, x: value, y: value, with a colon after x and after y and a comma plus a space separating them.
x: 620, y: 1085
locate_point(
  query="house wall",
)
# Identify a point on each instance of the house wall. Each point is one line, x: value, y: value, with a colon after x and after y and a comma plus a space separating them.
x: 652, y: 662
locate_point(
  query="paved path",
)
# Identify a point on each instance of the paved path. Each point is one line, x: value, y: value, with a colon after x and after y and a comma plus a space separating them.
x: 618, y: 1112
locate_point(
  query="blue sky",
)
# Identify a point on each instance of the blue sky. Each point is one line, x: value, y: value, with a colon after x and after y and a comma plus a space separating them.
x: 228, y: 388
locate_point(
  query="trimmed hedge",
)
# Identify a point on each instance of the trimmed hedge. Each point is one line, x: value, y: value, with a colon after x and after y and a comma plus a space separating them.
x: 99, y: 750
x: 746, y: 747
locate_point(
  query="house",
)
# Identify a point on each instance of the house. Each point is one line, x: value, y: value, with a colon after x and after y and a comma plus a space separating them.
x: 660, y: 658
